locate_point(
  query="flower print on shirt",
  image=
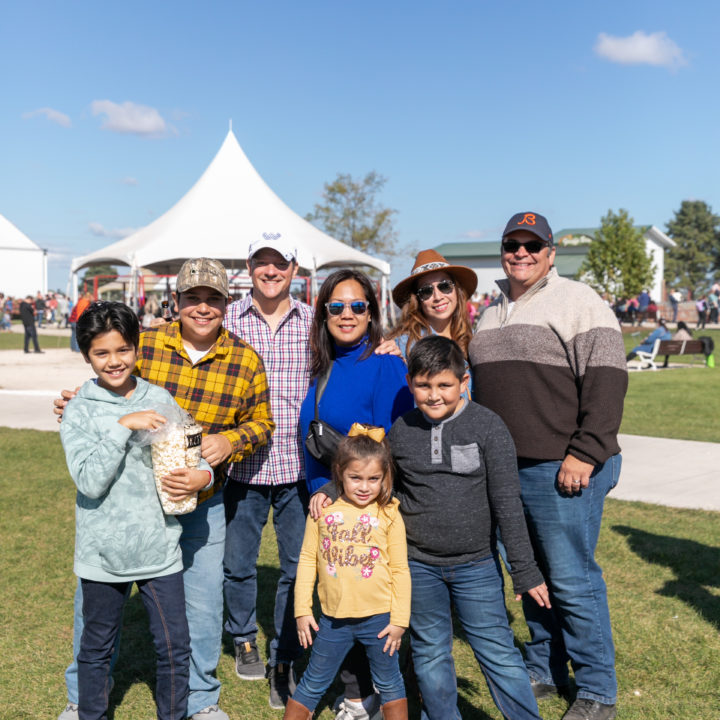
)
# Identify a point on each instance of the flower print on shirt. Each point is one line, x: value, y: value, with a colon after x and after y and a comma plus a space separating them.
x: 366, y: 571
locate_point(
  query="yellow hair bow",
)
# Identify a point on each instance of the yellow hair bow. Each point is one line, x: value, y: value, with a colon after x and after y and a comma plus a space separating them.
x: 374, y: 433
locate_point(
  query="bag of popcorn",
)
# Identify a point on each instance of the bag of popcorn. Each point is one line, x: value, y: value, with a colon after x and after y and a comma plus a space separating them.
x: 176, y: 444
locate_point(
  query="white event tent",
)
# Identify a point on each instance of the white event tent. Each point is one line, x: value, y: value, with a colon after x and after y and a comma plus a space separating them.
x: 229, y: 207
x: 23, y: 265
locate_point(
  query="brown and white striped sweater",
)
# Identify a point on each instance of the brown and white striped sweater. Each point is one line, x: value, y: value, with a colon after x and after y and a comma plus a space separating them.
x: 554, y: 370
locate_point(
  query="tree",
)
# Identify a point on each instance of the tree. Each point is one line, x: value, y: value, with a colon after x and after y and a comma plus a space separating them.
x: 695, y: 230
x: 94, y: 271
x: 350, y: 212
x: 617, y: 262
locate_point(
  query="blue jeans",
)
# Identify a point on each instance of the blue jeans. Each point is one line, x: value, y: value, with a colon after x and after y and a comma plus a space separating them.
x: 246, y: 512
x: 334, y: 639
x: 564, y: 532
x: 73, y: 337
x: 475, y: 590
x: 103, y: 603
x: 202, y: 543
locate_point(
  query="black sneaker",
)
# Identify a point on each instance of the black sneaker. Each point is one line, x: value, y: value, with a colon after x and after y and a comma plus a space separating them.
x: 248, y: 664
x: 586, y: 709
x: 282, y: 685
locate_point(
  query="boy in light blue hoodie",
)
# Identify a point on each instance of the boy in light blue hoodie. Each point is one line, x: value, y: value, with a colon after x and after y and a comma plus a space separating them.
x: 122, y: 534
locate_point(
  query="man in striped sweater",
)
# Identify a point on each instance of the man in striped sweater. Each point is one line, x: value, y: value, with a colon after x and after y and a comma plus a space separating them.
x: 548, y: 358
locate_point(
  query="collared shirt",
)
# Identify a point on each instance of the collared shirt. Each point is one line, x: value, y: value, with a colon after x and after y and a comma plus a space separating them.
x: 286, y: 354
x: 226, y: 391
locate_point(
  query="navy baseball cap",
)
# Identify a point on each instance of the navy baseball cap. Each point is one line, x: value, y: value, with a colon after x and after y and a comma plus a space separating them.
x: 532, y: 222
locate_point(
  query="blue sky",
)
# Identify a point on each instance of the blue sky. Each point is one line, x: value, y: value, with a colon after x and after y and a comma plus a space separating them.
x: 472, y: 110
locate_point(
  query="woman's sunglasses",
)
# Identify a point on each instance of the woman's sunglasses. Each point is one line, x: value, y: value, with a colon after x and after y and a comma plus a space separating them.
x: 532, y: 246
x: 358, y: 307
x: 426, y: 291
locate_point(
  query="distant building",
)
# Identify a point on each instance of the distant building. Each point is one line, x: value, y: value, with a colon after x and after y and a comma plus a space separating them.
x: 572, y: 246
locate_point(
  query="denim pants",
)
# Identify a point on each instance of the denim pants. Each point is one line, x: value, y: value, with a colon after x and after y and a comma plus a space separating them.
x: 564, y: 532
x: 246, y: 512
x: 103, y: 603
x: 31, y: 335
x: 475, y: 590
x: 334, y: 638
x: 73, y: 337
x: 202, y: 543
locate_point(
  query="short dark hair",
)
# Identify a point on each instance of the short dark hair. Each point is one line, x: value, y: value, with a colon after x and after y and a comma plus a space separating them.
x: 434, y: 354
x: 102, y: 317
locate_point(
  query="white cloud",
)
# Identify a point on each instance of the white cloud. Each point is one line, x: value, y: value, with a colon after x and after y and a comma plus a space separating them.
x: 131, y: 118
x: 99, y: 230
x: 52, y: 115
x: 487, y: 234
x: 641, y: 49
x: 129, y: 181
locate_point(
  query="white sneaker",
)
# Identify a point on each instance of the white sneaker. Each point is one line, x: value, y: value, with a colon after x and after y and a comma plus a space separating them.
x: 70, y: 712
x: 211, y: 712
x: 368, y: 709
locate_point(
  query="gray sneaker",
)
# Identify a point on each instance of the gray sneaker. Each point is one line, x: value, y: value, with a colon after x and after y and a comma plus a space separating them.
x: 248, y: 664
x: 282, y: 685
x: 211, y: 712
x: 70, y: 712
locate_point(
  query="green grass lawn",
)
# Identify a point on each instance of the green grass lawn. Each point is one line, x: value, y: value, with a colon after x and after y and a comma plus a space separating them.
x: 675, y: 403
x: 15, y: 341
x: 661, y: 566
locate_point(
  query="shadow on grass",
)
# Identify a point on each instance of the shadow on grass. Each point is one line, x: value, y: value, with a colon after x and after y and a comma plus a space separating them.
x: 694, y: 564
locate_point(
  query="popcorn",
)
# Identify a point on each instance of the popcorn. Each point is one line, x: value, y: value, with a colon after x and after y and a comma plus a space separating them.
x: 179, y: 447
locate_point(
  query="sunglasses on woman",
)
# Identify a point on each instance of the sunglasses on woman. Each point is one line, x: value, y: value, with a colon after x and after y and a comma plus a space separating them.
x: 532, y: 246
x: 426, y: 291
x: 358, y: 307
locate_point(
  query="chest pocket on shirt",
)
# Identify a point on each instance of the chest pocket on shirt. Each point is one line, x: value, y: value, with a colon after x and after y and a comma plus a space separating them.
x: 464, y: 458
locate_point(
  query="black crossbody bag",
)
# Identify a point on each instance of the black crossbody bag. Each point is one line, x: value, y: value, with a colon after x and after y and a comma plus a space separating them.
x: 322, y: 439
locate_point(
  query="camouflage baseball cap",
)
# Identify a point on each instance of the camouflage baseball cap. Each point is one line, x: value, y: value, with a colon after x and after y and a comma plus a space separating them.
x: 203, y: 272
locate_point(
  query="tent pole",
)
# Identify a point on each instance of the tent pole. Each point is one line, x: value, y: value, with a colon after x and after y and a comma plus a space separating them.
x: 313, y: 285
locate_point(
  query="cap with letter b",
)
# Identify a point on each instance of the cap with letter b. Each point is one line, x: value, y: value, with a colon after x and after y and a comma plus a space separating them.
x: 532, y: 222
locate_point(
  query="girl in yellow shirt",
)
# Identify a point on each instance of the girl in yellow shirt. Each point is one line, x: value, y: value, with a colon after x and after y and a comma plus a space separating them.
x: 357, y: 551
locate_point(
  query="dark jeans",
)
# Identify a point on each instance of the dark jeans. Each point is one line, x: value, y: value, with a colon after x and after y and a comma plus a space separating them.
x: 164, y: 600
x: 246, y: 512
x: 31, y: 334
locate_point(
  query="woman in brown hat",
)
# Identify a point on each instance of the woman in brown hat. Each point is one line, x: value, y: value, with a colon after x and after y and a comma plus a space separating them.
x: 433, y: 299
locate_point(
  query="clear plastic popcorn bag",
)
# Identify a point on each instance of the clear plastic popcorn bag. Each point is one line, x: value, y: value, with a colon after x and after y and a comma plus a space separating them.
x: 176, y: 444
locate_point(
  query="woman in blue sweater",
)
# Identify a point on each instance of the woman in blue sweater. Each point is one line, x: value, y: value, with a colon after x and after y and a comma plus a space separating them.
x: 362, y: 387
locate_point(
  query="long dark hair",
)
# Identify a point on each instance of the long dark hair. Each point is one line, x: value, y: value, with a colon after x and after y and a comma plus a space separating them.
x: 322, y: 343
x: 414, y: 324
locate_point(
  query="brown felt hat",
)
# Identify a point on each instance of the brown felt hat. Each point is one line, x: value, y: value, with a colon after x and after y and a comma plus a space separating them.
x: 428, y: 261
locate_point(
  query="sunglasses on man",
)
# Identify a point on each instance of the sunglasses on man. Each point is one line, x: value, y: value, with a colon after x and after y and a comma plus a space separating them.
x: 426, y: 291
x: 532, y: 246
x: 358, y: 307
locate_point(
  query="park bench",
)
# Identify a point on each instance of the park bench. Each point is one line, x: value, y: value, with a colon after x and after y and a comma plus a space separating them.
x: 646, y: 360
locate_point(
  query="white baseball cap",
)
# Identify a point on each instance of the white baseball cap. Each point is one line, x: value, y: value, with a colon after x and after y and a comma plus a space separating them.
x: 275, y: 241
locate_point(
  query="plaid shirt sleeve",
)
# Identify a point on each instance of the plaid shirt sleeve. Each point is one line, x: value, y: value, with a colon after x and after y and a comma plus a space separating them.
x: 226, y: 391
x: 253, y: 416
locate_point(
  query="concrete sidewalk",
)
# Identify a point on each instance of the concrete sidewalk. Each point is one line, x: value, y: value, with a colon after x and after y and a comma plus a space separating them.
x: 679, y: 473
